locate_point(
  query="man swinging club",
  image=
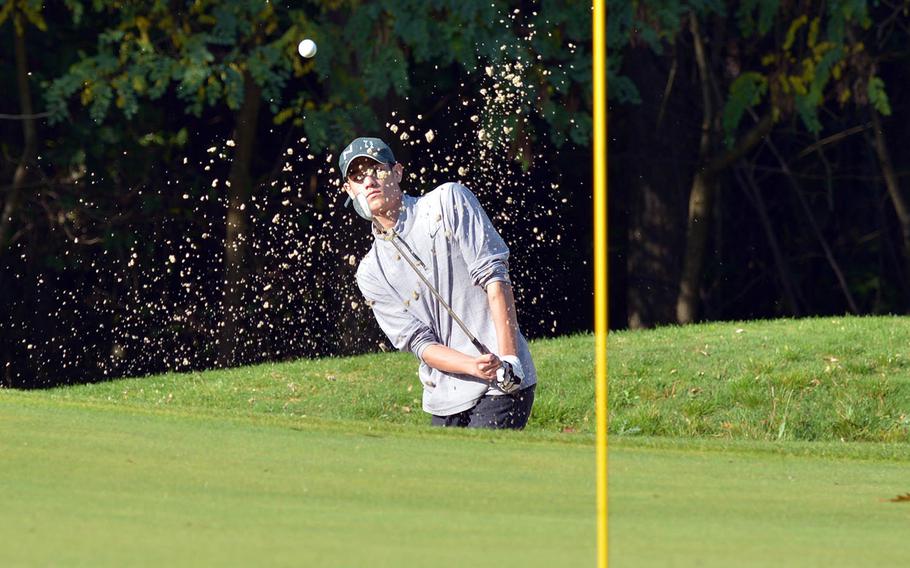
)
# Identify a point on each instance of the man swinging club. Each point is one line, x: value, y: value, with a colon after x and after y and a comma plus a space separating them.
x: 437, y: 279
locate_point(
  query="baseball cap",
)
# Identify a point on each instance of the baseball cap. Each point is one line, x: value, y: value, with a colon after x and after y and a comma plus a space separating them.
x: 373, y: 148
x: 370, y: 147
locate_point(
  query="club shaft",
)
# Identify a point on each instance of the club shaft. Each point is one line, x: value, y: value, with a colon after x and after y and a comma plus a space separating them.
x: 395, y: 242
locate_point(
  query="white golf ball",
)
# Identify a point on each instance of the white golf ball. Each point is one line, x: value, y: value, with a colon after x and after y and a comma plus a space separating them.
x: 307, y: 48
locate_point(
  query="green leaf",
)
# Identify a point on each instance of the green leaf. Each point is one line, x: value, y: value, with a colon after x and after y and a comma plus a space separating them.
x: 126, y: 96
x: 110, y: 37
x: 103, y: 94
x: 283, y: 116
x: 622, y: 90
x: 225, y: 30
x: 6, y: 8
x: 76, y: 8
x: 746, y: 92
x: 823, y: 70
x: 181, y: 137
x: 387, y: 70
x: 160, y: 73
x: 233, y: 87
x: 807, y: 109
x: 583, y: 127
x: 878, y: 97
x: 767, y: 10
x: 32, y: 11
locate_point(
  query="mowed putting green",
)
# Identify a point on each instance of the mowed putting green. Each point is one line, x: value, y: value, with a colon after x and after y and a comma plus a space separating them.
x: 718, y: 505
x: 93, y: 484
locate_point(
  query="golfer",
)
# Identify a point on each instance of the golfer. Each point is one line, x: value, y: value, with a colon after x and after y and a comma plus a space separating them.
x: 466, y: 261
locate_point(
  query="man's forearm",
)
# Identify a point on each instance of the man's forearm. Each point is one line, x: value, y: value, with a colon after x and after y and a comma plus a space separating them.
x: 447, y: 359
x: 502, y: 308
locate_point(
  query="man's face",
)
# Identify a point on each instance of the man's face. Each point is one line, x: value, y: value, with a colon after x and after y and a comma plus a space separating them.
x: 378, y: 182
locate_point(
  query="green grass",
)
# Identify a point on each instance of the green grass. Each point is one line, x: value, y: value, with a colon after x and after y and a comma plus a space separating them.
x: 99, y: 485
x: 836, y: 379
x: 326, y: 462
x: 381, y: 389
x: 752, y: 443
x: 720, y: 504
x: 762, y: 443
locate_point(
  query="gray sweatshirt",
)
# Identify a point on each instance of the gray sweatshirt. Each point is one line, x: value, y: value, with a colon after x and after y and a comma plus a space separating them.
x: 452, y: 235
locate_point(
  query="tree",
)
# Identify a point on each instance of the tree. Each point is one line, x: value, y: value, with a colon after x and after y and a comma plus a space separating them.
x: 216, y: 53
x: 888, y: 44
x: 786, y: 61
x: 239, y: 58
x: 21, y: 13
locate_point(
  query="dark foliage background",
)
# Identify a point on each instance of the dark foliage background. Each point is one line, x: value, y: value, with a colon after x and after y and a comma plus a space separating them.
x: 758, y: 160
x: 169, y: 200
x: 175, y: 205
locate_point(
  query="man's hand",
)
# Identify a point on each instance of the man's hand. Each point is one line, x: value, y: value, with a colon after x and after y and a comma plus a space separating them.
x: 510, y: 374
x: 485, y: 367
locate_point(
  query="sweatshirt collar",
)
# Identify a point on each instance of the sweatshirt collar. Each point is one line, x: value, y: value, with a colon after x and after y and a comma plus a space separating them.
x: 405, y: 217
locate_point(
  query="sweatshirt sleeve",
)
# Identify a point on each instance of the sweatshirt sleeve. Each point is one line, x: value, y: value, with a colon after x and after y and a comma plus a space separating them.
x: 483, y: 249
x: 405, y: 331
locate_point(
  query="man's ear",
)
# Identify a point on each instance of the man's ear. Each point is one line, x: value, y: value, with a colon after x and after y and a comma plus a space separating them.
x: 399, y: 172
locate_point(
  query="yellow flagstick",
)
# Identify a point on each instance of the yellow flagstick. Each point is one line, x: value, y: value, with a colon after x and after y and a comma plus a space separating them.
x: 600, y: 269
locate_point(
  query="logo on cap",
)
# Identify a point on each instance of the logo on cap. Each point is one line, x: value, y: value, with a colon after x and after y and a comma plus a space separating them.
x: 372, y: 148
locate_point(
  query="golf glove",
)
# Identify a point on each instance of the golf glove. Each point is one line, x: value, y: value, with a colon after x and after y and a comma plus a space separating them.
x: 510, y: 374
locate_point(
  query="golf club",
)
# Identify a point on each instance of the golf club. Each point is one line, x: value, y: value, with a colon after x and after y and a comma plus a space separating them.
x: 509, y: 380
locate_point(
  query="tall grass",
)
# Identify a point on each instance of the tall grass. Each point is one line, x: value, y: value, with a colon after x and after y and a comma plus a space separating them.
x: 836, y: 379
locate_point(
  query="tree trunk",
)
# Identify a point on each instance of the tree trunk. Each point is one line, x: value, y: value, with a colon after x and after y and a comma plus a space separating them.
x: 701, y: 195
x: 894, y: 190
x: 700, y: 202
x: 30, y: 146
x: 651, y: 199
x: 654, y: 234
x: 235, y: 240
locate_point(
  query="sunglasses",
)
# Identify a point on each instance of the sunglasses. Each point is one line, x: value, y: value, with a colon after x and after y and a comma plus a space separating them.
x: 378, y: 172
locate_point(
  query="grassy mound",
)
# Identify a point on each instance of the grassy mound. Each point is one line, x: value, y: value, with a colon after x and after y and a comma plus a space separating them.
x: 824, y: 379
x: 833, y: 379
x: 380, y: 388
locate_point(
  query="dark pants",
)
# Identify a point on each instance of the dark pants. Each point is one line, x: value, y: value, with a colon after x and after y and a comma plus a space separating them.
x: 503, y: 411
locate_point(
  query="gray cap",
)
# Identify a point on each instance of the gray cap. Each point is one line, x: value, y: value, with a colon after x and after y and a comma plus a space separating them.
x: 370, y: 147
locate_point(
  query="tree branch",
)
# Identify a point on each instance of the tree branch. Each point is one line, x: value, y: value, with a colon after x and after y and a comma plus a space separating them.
x: 831, y: 139
x: 848, y: 296
x: 750, y: 188
x: 23, y: 116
